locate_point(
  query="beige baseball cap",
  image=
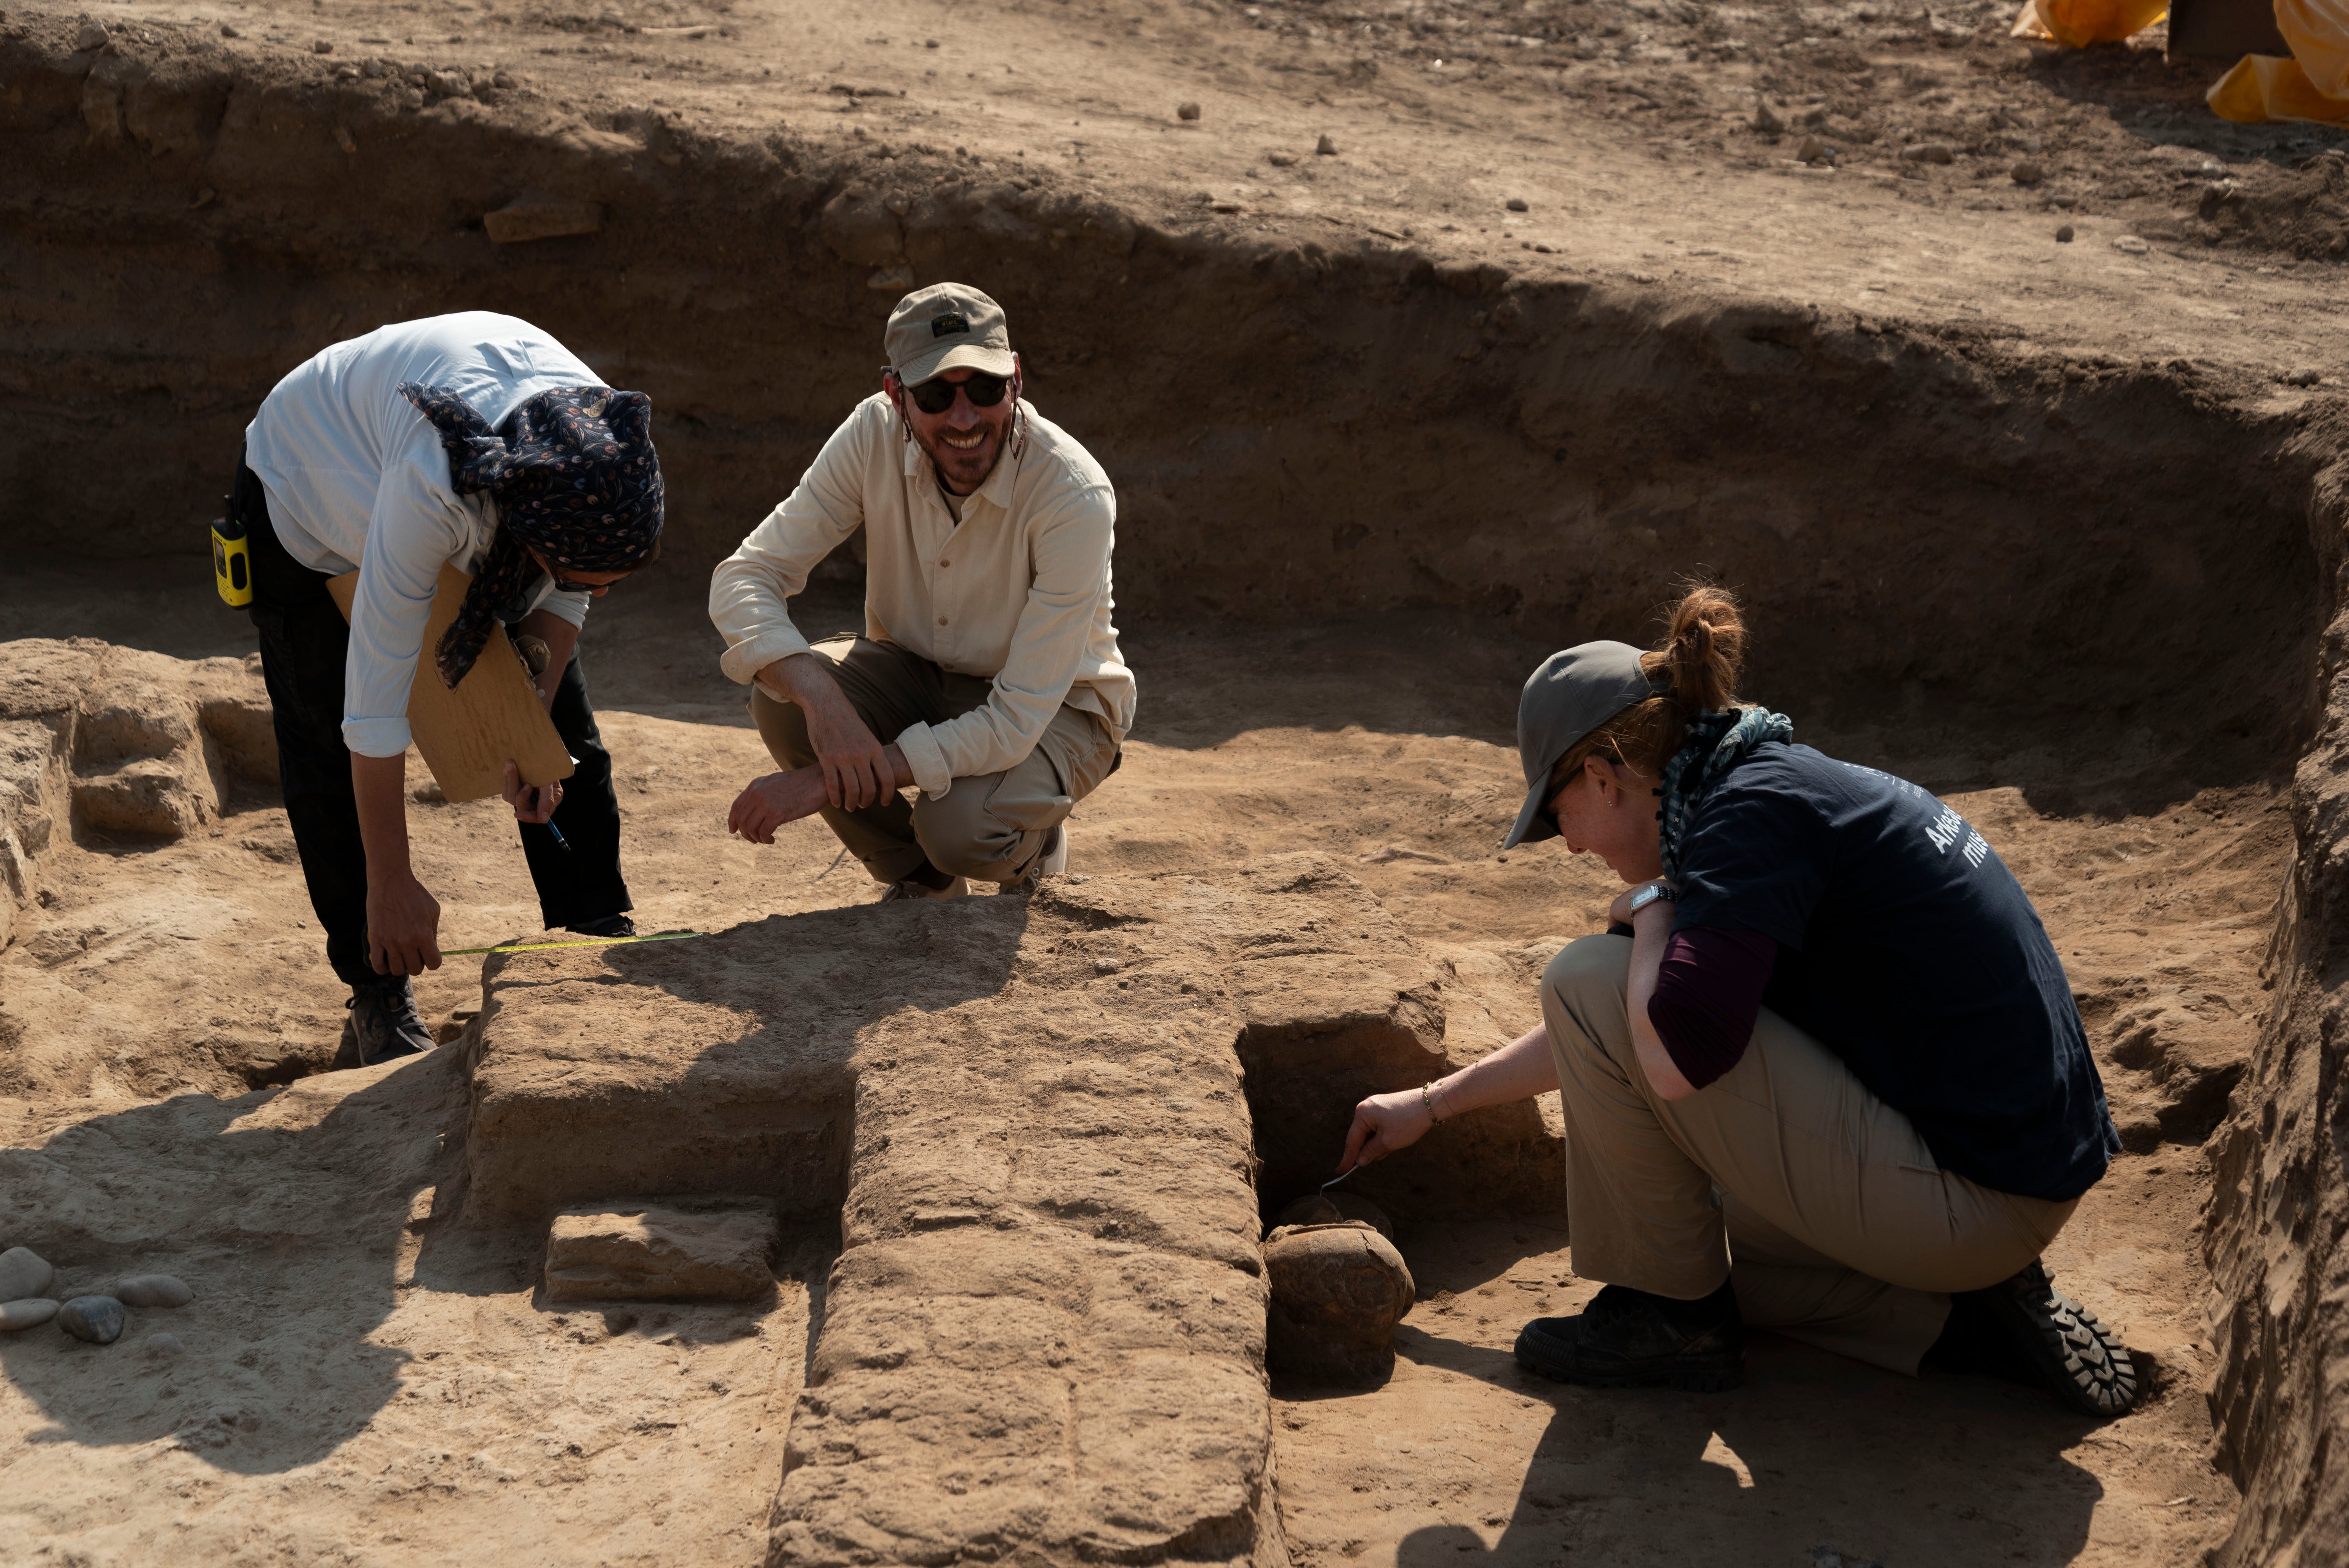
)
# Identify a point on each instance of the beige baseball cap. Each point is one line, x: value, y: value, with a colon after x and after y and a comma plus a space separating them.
x: 944, y: 326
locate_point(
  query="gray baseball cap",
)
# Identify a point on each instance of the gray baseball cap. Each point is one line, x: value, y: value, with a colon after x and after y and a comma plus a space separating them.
x: 943, y: 326
x: 1571, y: 695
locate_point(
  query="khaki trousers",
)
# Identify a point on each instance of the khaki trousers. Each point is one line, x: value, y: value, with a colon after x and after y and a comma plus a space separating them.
x: 987, y: 827
x: 1832, y: 1219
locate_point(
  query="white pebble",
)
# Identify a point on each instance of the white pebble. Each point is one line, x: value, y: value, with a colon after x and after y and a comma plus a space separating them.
x: 30, y: 1313
x: 24, y: 1274
x: 162, y: 1344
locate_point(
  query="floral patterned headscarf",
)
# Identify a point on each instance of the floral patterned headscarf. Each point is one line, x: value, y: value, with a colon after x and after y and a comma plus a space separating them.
x: 576, y: 478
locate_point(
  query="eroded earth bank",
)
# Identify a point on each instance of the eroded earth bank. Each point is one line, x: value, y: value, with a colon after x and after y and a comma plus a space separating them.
x: 1374, y: 457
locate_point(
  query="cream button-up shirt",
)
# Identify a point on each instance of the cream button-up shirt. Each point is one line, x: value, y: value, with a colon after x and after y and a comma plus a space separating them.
x: 1017, y: 592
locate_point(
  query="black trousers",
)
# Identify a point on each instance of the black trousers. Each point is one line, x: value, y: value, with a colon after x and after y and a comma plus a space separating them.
x: 305, y: 643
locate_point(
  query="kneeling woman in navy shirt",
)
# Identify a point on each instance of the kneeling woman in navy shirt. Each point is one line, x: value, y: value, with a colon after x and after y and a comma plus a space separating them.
x: 1824, y: 1075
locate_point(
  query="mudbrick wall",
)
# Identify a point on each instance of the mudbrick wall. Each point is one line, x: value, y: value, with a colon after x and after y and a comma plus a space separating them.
x: 1297, y: 428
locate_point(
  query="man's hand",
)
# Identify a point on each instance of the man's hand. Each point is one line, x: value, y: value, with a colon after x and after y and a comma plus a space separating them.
x: 403, y: 927
x: 531, y: 802
x: 769, y: 803
x: 856, y: 773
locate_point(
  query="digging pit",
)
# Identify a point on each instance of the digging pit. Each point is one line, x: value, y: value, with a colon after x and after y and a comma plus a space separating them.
x: 2088, y: 599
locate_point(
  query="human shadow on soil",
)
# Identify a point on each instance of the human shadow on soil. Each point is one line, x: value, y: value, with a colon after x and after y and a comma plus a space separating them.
x: 1813, y: 1450
x: 286, y: 1220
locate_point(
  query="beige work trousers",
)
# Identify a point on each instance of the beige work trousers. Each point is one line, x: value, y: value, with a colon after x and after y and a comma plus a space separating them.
x: 1833, y: 1221
x: 987, y: 827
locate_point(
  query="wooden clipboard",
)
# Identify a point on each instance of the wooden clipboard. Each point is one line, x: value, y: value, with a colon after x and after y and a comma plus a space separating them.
x: 466, y: 736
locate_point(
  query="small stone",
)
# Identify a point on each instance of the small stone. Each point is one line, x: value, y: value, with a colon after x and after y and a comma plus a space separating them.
x: 162, y: 1344
x: 1223, y: 206
x: 321, y: 46
x: 1281, y: 160
x: 1186, y: 111
x: 1814, y: 150
x: 30, y: 1313
x: 529, y: 218
x: 1106, y: 966
x: 2130, y: 246
x: 2063, y: 235
x: 24, y: 1272
x: 1326, y: 148
x: 503, y: 79
x: 653, y: 1252
x: 2026, y: 173
x: 1516, y: 204
x: 890, y: 280
x: 2063, y: 202
x: 1768, y: 120
x: 2305, y: 376
x: 228, y: 32
x: 1338, y: 1292
x: 90, y: 35
x: 1930, y: 153
x: 1544, y: 248
x: 153, y: 1290
x: 96, y: 1319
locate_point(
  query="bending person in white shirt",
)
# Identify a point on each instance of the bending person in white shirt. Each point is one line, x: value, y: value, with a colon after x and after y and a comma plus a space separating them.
x: 988, y: 658
x: 475, y: 440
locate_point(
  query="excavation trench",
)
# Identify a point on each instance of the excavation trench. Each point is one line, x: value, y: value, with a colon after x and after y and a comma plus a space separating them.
x: 2081, y: 591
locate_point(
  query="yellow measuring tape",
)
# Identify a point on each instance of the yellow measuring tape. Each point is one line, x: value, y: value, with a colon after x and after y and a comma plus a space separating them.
x: 585, y: 942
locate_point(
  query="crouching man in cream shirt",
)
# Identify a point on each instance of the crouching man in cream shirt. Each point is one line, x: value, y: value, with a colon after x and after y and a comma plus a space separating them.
x: 988, y: 659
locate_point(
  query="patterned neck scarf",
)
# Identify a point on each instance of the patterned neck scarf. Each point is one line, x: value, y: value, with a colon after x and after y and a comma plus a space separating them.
x: 573, y: 475
x: 1714, y: 744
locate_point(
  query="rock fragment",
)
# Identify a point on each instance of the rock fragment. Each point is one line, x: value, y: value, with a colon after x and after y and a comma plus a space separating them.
x: 1516, y: 204
x: 535, y: 217
x: 321, y: 46
x: 153, y: 1290
x: 90, y: 35
x: 96, y: 1319
x: 2304, y: 375
x: 1814, y: 150
x: 1338, y: 1292
x: 1326, y: 146
x: 2026, y: 173
x: 2063, y: 234
x: 649, y: 1252
x: 1768, y: 120
x: 1281, y: 160
x: 1186, y: 111
x: 162, y: 1344
x: 24, y: 1272
x: 1930, y: 153
x: 29, y: 1314
x: 2130, y: 246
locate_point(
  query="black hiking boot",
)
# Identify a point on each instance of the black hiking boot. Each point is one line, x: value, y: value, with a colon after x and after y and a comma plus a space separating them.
x: 2059, y: 1344
x: 610, y: 925
x: 383, y: 1022
x: 1628, y: 1339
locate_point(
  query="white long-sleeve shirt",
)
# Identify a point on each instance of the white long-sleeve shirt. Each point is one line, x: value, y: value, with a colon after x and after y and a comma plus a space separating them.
x: 1018, y: 591
x: 358, y: 479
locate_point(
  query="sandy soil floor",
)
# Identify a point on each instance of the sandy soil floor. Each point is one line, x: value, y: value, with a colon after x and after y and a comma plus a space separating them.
x: 361, y: 1382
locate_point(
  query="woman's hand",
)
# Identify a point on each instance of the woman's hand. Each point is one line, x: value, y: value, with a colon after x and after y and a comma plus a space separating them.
x: 1383, y: 1124
x: 531, y: 802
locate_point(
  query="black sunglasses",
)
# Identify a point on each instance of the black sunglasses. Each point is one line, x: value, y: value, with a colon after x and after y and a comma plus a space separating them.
x: 936, y: 395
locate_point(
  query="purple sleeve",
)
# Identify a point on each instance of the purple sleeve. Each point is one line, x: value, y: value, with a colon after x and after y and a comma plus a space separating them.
x: 1708, y: 990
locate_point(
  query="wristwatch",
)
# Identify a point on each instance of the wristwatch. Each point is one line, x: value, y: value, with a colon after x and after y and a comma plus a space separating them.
x: 1646, y: 893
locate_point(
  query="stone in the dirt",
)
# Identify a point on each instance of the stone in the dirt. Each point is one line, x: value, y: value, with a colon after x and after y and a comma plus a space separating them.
x: 24, y: 1272
x: 2130, y: 246
x: 1186, y: 111
x: 1930, y: 153
x: 1814, y: 150
x: 321, y: 46
x: 2027, y: 173
x: 29, y: 1314
x: 1338, y: 1292
x: 1327, y: 146
x: 96, y: 1319
x: 530, y: 218
x: 1516, y: 204
x: 2063, y: 234
x: 162, y: 1344
x: 646, y: 1253
x: 2305, y: 376
x: 153, y: 1290
x: 1281, y: 160
x: 90, y: 35
x: 1768, y: 120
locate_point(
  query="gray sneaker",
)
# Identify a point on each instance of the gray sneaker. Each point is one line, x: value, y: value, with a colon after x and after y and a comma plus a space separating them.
x: 383, y: 1022
x: 909, y: 888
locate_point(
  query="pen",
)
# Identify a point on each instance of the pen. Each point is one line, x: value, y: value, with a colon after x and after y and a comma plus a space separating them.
x: 562, y: 841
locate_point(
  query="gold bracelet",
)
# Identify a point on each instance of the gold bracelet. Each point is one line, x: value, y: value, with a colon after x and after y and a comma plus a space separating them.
x: 1423, y: 1099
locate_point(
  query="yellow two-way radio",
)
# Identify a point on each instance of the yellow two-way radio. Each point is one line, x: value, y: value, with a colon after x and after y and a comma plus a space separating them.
x: 232, y: 562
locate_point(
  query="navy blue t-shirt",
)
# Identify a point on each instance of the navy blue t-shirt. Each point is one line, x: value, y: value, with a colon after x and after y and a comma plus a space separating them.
x: 1909, y: 950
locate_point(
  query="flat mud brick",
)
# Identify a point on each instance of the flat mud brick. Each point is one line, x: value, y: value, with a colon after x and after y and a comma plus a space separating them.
x: 542, y: 218
x: 646, y: 1253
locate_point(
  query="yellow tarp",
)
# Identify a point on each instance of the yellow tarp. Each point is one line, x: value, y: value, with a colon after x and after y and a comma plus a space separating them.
x: 2261, y: 87
x: 2076, y: 23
